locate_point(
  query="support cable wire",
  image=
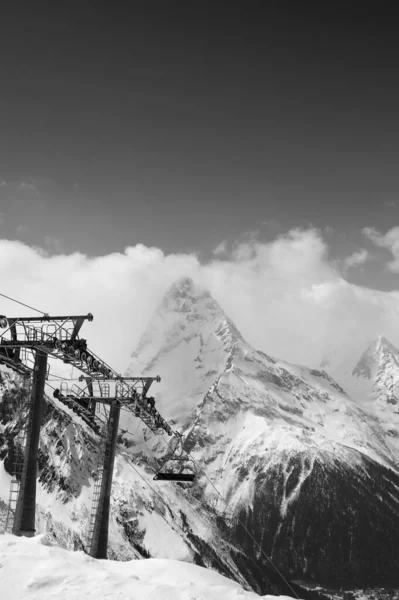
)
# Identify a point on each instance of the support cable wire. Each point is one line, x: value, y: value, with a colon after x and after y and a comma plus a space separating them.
x: 225, y: 502
x: 46, y: 314
x: 62, y: 378
x: 61, y: 327
x: 77, y: 423
x: 220, y: 496
x: 239, y: 521
x: 124, y: 454
x: 22, y: 304
x: 188, y: 454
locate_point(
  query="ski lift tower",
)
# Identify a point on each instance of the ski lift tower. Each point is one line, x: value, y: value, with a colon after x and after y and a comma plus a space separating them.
x: 24, y: 347
x: 115, y: 393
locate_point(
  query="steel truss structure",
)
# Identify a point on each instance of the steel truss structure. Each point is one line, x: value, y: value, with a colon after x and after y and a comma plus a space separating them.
x: 25, y: 345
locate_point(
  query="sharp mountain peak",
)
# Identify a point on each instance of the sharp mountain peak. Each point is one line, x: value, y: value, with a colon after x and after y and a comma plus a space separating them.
x: 377, y: 355
x: 184, y: 292
x: 187, y: 311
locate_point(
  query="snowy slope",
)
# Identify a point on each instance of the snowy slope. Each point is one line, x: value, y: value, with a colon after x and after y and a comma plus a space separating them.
x: 268, y: 434
x: 190, y: 339
x: 199, y: 353
x: 36, y: 568
x: 373, y: 372
x: 145, y: 521
x: 372, y: 380
x: 310, y: 473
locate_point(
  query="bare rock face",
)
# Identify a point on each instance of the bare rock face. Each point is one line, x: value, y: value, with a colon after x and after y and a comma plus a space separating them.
x: 326, y: 521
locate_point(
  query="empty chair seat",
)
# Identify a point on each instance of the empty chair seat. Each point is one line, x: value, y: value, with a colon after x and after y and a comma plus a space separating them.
x: 175, y: 477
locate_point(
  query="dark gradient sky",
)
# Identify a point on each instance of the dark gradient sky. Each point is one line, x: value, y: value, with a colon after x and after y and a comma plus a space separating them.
x: 178, y: 126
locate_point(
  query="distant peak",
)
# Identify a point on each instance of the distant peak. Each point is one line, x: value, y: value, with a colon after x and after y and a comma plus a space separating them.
x: 184, y: 290
x: 181, y: 286
x: 376, y: 354
x: 382, y: 342
x: 187, y: 312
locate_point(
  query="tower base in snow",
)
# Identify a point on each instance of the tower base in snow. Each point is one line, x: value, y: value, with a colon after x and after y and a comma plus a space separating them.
x: 102, y: 491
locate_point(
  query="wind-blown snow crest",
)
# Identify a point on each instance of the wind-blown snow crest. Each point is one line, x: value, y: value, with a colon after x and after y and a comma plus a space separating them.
x: 36, y: 568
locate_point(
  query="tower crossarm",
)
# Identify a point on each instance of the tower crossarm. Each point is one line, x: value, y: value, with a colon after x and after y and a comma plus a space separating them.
x: 58, y: 336
x: 130, y: 393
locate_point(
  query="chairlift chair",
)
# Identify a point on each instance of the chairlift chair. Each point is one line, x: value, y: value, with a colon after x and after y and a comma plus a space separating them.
x: 176, y: 467
x: 178, y: 477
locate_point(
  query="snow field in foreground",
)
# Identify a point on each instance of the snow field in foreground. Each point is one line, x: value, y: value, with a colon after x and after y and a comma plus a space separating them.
x: 34, y: 568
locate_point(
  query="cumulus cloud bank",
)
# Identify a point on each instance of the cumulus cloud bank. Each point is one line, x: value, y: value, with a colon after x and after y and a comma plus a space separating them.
x: 390, y: 241
x: 285, y: 296
x: 357, y: 258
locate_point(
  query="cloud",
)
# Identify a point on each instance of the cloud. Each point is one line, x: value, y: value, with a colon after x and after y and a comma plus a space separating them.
x: 356, y: 259
x: 220, y: 249
x: 271, y: 223
x: 27, y: 186
x: 285, y: 296
x: 389, y: 240
x: 53, y: 243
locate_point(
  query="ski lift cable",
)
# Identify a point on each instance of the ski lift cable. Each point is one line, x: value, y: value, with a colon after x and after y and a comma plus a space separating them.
x: 46, y: 314
x: 188, y: 454
x: 168, y: 507
x: 239, y: 520
x: 225, y: 502
x: 49, y: 384
x: 157, y: 494
x: 249, y: 533
x: 52, y: 402
x: 23, y: 304
x: 241, y: 523
x: 63, y: 378
x: 218, y: 493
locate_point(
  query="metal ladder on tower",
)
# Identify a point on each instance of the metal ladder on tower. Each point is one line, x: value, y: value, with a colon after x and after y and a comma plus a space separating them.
x: 20, y: 464
x: 95, y: 505
x: 95, y: 517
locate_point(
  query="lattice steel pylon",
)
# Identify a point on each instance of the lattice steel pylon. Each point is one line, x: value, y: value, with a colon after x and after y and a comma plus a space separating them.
x: 131, y: 394
x: 44, y: 336
x: 23, y: 338
x: 20, y: 462
x: 99, y: 518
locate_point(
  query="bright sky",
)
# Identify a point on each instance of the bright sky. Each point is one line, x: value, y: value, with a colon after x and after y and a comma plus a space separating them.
x: 134, y: 145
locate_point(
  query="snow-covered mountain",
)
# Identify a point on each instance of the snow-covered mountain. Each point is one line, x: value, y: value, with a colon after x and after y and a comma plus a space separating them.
x: 146, y: 521
x: 198, y: 351
x: 307, y: 475
x: 372, y: 380
x: 190, y: 339
x: 371, y: 372
x: 290, y: 451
